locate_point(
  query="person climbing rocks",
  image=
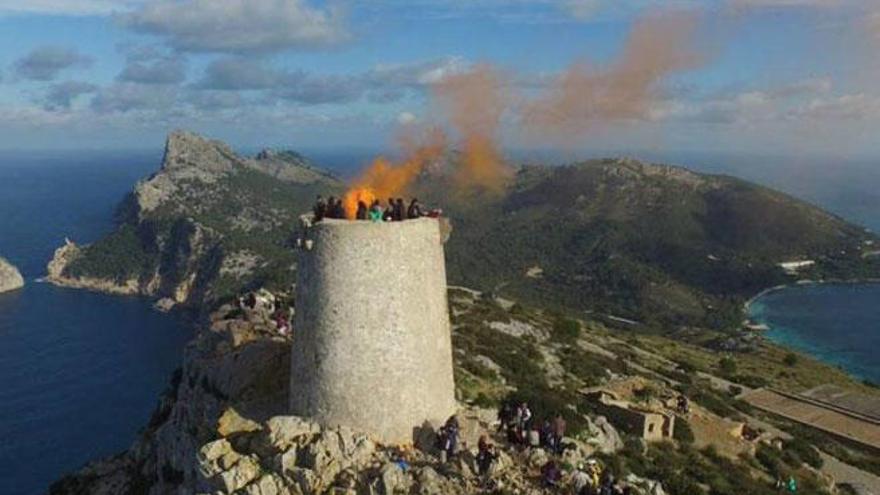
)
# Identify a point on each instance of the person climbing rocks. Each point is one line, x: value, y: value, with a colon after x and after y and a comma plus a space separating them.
x: 414, y: 210
x: 376, y: 212
x: 792, y: 485
x: 447, y: 438
x: 551, y: 474
x: 362, y: 211
x: 320, y: 209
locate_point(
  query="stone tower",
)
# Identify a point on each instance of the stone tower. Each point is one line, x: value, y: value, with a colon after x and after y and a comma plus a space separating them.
x: 372, y: 347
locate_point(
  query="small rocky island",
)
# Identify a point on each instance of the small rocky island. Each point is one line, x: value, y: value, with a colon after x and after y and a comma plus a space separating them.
x: 10, y: 277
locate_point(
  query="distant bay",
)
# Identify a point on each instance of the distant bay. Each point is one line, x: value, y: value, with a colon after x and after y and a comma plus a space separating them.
x: 836, y: 323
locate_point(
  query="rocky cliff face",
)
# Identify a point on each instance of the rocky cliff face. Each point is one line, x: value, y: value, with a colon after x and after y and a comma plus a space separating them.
x: 221, y: 428
x: 206, y: 225
x: 10, y: 278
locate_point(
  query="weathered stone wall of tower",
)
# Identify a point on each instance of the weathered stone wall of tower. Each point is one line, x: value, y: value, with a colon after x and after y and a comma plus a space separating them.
x: 372, y: 347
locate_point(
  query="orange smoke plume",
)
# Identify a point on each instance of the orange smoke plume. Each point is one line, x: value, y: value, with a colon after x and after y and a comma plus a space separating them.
x: 583, y: 97
x: 384, y: 179
x: 476, y: 101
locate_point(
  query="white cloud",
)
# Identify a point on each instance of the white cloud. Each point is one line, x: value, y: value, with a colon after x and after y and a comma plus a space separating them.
x: 66, y: 7
x: 404, y: 118
x: 239, y: 26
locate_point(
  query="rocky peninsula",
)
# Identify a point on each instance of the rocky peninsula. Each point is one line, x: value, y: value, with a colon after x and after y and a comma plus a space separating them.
x: 10, y: 277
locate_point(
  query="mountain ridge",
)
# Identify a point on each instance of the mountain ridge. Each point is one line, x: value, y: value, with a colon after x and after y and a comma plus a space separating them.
x: 660, y: 244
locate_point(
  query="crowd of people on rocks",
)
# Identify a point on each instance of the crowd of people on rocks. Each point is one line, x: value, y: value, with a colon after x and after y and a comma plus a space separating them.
x: 265, y: 303
x: 521, y: 432
x: 394, y: 210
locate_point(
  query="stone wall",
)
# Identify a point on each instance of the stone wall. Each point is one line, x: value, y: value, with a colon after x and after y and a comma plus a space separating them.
x: 372, y: 347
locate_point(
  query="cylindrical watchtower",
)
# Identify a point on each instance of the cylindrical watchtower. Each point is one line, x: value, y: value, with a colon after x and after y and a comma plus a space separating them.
x: 372, y: 347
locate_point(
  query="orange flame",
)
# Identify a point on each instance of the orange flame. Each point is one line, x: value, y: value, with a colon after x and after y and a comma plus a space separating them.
x: 384, y: 179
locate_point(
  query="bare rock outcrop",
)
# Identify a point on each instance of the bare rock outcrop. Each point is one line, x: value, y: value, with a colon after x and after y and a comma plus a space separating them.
x: 10, y: 277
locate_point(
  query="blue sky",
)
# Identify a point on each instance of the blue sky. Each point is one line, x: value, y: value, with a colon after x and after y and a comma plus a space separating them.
x: 778, y: 76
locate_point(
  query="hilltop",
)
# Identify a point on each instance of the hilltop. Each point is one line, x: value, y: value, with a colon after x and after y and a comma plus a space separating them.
x: 657, y: 244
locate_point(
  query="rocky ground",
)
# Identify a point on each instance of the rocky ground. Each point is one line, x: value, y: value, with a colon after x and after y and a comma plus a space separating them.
x: 10, y: 278
x: 220, y: 429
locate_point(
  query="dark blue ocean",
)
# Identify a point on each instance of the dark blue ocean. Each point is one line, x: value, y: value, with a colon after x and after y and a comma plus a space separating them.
x: 80, y: 372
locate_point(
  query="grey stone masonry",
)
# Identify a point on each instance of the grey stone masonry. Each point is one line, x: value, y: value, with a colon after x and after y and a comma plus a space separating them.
x: 372, y: 343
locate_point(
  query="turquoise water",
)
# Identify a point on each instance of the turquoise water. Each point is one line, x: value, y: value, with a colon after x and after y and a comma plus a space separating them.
x: 80, y: 372
x: 837, y: 323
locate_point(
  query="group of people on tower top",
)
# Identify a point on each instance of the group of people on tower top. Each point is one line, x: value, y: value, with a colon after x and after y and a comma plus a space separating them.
x: 395, y: 211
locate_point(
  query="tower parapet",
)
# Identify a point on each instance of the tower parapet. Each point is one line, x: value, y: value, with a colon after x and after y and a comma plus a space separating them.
x: 372, y: 343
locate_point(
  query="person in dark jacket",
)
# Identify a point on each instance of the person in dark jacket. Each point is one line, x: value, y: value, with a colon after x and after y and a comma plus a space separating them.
x: 330, y: 208
x: 558, y: 432
x: 320, y: 209
x: 414, y: 210
x: 486, y: 455
x: 399, y: 210
x: 339, y: 210
x: 388, y: 213
x: 362, y: 211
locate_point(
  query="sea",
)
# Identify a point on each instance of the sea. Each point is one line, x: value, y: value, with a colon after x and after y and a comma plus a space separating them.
x: 81, y: 372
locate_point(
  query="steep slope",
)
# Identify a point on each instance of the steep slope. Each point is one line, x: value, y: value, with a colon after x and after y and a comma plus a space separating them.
x: 207, y: 225
x: 654, y: 243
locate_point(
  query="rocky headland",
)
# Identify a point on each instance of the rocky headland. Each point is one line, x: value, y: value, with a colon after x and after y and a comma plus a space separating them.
x: 10, y: 277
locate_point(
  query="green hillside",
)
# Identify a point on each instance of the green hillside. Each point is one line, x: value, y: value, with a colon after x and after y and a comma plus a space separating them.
x: 657, y: 244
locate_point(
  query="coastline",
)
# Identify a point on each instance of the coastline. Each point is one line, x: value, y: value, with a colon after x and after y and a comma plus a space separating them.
x: 799, y: 283
x: 798, y: 340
